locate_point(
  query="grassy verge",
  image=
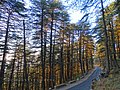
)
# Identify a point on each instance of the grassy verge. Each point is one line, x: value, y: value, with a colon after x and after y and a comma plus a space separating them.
x: 110, y: 83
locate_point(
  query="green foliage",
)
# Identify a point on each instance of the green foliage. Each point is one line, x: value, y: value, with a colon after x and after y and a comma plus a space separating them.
x: 117, y: 5
x: 19, y: 6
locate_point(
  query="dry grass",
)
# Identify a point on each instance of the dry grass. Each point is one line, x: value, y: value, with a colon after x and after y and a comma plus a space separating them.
x: 110, y: 83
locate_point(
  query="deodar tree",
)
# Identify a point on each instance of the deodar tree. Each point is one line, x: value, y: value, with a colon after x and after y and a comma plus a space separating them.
x: 10, y: 7
x: 46, y: 50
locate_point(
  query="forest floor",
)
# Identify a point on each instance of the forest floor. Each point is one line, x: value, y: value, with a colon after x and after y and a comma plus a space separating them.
x: 112, y: 82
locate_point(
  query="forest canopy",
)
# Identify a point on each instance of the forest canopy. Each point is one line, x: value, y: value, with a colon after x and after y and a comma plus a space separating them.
x: 40, y: 48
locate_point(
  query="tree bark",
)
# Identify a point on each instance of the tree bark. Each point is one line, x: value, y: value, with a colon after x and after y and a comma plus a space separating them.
x: 68, y: 58
x: 87, y: 59
x: 113, y: 45
x: 83, y: 59
x: 51, y: 51
x: 118, y: 45
x: 12, y: 71
x: 25, y: 73
x: 80, y: 59
x: 42, y: 59
x: 72, y: 48
x: 106, y: 39
x: 4, y: 54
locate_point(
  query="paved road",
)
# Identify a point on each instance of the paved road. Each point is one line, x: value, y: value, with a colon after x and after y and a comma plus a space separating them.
x: 86, y: 85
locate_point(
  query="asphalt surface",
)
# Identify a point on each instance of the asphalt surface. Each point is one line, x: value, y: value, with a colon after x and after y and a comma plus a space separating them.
x: 86, y: 84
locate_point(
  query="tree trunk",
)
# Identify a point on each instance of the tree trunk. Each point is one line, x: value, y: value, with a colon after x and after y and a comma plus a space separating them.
x: 68, y: 58
x: 92, y: 60
x: 12, y: 71
x: 42, y: 59
x: 72, y: 48
x: 110, y: 53
x: 51, y: 51
x: 18, y: 78
x: 83, y: 58
x: 61, y: 57
x: 118, y: 45
x: 113, y: 45
x: 45, y: 40
x: 80, y: 59
x: 86, y: 59
x: 106, y: 39
x: 53, y: 62
x: 4, y: 54
x: 25, y: 73
x: 21, y: 77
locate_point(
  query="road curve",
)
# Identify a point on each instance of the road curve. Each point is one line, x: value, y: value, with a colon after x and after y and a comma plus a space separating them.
x: 86, y: 85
